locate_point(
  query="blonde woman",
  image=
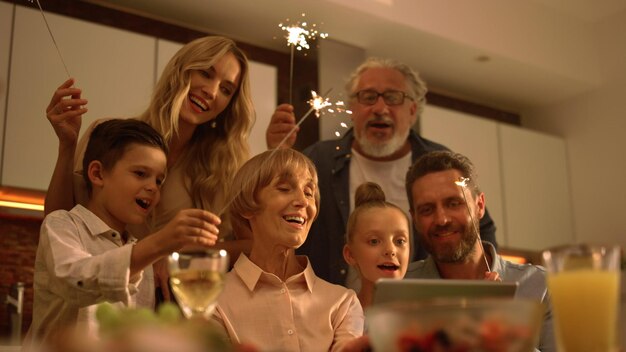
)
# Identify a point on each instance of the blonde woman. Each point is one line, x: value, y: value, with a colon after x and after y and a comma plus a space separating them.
x: 272, y: 299
x: 202, y: 107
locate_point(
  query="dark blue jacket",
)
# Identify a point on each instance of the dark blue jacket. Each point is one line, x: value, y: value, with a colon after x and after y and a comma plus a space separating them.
x: 324, y: 245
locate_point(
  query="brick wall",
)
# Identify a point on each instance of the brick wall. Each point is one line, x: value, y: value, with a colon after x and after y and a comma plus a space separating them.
x: 18, y: 243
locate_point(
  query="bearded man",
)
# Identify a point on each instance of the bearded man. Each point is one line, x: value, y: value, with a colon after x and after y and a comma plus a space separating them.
x: 443, y: 212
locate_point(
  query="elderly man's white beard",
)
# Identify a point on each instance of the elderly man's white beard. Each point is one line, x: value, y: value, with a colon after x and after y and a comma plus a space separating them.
x: 384, y: 149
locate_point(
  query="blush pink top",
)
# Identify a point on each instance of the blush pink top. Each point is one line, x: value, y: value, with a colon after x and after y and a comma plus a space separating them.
x: 303, y: 313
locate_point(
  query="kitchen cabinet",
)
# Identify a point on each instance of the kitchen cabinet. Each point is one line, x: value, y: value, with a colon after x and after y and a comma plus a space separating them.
x: 476, y: 138
x: 114, y: 68
x: 523, y: 173
x: 536, y: 188
x: 6, y: 20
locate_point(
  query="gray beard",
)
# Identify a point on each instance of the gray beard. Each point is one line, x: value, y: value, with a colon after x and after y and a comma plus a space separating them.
x: 381, y: 150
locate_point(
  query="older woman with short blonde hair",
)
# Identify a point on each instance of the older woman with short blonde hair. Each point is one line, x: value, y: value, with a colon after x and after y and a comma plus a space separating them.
x: 272, y: 299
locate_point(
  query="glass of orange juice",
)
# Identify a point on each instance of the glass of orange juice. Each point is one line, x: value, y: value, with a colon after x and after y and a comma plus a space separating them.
x: 583, y: 282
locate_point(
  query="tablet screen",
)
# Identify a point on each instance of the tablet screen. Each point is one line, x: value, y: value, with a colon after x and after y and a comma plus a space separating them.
x: 393, y: 290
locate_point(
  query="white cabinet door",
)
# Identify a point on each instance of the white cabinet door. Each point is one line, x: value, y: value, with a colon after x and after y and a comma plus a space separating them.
x: 114, y: 68
x: 6, y: 19
x: 536, y: 189
x: 523, y: 173
x: 476, y: 138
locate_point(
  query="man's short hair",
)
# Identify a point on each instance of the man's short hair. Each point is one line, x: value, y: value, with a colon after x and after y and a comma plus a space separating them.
x: 441, y: 160
x: 110, y: 139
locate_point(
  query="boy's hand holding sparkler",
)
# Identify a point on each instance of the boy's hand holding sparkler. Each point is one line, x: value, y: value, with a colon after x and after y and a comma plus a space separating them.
x: 282, y: 123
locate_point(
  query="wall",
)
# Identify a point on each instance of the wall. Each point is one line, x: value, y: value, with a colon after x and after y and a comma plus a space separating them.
x: 336, y: 61
x: 593, y: 125
x: 547, y: 43
x: 6, y: 21
x: 18, y: 244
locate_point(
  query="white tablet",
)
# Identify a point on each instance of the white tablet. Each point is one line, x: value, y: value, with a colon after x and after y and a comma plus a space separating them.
x: 394, y: 290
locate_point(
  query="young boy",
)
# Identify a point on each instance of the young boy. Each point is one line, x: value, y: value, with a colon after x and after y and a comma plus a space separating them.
x: 85, y: 256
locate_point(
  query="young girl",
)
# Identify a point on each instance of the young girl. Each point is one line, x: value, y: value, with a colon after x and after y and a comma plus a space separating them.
x: 377, y: 239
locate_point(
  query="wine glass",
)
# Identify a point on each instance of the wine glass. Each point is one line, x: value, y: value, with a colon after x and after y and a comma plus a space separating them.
x: 197, y: 279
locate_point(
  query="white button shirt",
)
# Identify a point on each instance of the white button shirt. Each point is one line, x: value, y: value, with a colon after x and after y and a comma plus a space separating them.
x: 81, y: 262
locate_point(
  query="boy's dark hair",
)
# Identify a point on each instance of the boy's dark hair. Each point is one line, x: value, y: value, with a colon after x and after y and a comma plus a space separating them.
x: 441, y: 160
x: 110, y: 139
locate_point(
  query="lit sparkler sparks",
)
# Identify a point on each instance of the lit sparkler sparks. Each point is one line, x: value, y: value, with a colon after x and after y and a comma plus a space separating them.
x: 299, y: 32
x: 297, y: 35
x: 340, y: 107
x: 344, y: 125
x: 319, y: 104
x: 52, y: 36
x: 463, y: 183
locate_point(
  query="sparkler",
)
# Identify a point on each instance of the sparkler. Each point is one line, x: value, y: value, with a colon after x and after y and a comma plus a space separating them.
x: 462, y: 182
x: 319, y: 104
x: 297, y: 35
x: 344, y: 125
x: 340, y: 107
x: 52, y: 36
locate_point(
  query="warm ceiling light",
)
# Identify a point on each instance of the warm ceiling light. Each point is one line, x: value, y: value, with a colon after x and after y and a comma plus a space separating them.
x: 19, y: 198
x: 514, y: 258
x: 19, y: 205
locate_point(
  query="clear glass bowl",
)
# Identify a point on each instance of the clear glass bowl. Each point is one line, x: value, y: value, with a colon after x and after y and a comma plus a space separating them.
x: 476, y: 325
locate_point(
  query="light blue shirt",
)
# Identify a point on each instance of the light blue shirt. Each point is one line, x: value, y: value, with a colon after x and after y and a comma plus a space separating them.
x: 531, y: 281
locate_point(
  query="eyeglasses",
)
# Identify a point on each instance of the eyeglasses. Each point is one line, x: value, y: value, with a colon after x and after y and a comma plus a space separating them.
x: 390, y: 97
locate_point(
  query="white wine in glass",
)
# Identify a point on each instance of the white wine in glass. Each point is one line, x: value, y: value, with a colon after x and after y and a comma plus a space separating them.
x: 197, y: 279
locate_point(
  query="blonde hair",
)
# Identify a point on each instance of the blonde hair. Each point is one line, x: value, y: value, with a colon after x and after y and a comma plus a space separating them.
x: 214, y: 154
x: 257, y: 174
x: 368, y: 195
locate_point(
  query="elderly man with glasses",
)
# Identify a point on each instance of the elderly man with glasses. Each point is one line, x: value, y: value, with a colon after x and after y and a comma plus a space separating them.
x: 386, y: 98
